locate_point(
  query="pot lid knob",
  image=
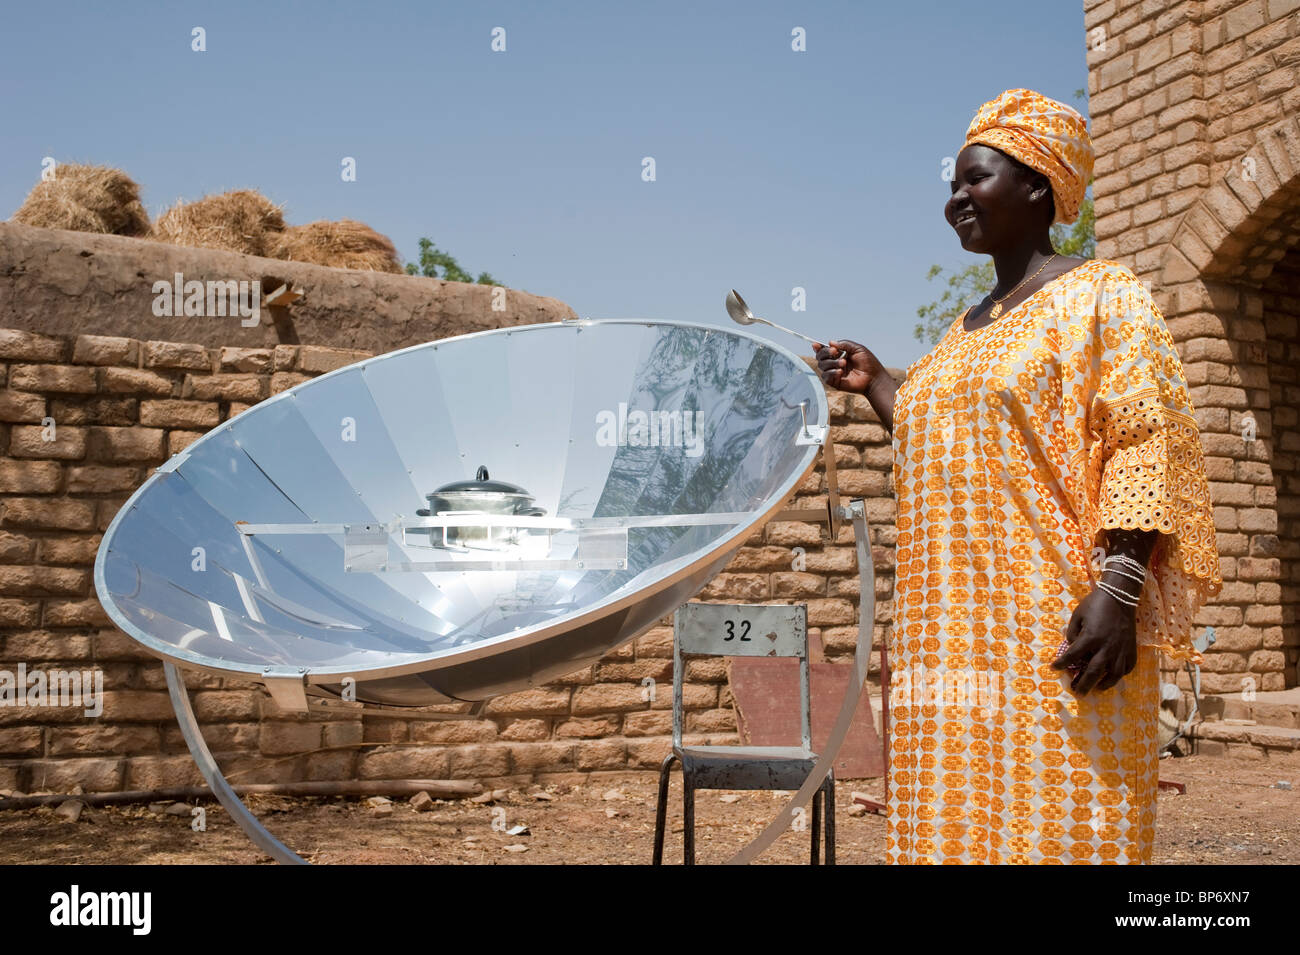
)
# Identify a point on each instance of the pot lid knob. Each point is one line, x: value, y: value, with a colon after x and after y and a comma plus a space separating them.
x: 482, y: 474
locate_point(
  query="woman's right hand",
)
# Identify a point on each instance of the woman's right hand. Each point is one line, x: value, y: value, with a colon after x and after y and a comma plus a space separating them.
x: 847, y: 366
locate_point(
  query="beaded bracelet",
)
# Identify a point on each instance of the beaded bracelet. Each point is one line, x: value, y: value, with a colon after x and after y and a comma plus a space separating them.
x: 1124, y: 561
x: 1125, y: 565
x: 1117, y: 594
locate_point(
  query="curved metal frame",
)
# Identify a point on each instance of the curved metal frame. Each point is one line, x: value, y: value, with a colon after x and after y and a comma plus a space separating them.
x: 255, y: 831
x: 277, y: 850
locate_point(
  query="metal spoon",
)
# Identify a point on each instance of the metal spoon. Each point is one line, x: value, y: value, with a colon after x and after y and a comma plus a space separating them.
x: 741, y: 314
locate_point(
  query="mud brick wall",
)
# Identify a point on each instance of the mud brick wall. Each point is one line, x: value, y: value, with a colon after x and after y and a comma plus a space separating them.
x: 56, y: 282
x: 1281, y: 305
x: 1193, y: 107
x: 122, y: 406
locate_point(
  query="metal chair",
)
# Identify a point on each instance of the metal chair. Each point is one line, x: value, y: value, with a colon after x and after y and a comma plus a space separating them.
x: 738, y: 630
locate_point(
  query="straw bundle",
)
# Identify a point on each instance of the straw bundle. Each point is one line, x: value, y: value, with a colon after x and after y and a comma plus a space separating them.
x: 240, y: 221
x: 86, y: 199
x: 345, y: 244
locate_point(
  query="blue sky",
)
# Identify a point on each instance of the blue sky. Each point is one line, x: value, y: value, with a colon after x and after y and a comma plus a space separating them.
x: 774, y: 169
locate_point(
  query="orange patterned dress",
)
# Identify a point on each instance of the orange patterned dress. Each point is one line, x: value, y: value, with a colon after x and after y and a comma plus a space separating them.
x: 1014, y: 445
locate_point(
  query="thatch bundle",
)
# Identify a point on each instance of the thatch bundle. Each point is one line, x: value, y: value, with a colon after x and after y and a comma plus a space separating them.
x: 240, y: 221
x: 345, y: 244
x: 86, y: 199
x: 99, y: 199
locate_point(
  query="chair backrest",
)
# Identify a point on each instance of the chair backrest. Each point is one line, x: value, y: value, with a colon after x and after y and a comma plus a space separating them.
x: 742, y: 630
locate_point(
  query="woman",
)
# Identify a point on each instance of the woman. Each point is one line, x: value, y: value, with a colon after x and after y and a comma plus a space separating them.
x: 1052, y: 418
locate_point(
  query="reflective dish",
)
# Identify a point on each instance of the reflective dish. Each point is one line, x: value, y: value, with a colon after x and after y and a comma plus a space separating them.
x: 287, y: 543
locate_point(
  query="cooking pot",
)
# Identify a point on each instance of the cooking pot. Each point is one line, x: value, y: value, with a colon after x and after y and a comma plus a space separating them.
x: 479, y: 496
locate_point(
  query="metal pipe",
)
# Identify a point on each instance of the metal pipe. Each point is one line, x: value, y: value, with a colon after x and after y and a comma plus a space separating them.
x: 255, y: 831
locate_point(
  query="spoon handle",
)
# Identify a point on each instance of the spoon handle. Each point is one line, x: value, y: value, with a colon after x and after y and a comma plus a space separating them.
x: 788, y: 331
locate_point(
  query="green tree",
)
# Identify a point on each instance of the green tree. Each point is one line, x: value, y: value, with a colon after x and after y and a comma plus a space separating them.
x: 432, y: 259
x: 965, y: 287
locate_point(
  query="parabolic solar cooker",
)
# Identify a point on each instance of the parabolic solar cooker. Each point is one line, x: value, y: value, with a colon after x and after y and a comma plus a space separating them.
x: 464, y: 518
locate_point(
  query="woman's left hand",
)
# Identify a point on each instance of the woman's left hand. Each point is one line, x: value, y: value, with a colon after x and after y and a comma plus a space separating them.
x: 1103, y: 641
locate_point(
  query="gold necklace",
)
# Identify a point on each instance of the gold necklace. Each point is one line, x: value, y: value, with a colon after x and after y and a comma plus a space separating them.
x: 996, y: 310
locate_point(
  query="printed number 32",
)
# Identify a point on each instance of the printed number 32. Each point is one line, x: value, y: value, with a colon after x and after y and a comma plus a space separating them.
x: 731, y: 630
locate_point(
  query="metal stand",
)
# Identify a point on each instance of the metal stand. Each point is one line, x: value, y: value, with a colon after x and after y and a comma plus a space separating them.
x: 871, y: 805
x: 832, y: 516
x: 856, y: 512
x: 255, y: 831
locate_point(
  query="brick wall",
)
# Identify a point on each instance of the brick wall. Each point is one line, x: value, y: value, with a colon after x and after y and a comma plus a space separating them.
x: 122, y: 406
x: 1193, y: 107
x: 1280, y: 600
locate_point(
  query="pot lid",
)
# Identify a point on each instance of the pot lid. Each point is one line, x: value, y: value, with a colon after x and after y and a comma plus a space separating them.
x: 482, y: 483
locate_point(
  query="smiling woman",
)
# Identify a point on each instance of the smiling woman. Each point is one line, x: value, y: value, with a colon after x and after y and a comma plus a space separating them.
x: 1052, y: 418
x: 991, y: 174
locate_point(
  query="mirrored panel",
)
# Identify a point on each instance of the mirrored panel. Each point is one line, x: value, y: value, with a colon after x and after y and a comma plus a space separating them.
x: 484, y: 510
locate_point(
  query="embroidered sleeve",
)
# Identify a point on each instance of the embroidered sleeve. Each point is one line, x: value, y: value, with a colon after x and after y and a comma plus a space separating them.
x: 1146, y: 467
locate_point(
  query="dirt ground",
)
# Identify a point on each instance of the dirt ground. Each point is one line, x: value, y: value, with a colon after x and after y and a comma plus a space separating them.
x: 1231, y: 813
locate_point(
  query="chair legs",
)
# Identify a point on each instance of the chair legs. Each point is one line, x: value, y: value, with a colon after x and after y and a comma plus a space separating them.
x: 823, y: 802
x: 688, y: 814
x: 661, y: 807
x: 688, y: 820
x: 829, y: 802
x: 819, y: 797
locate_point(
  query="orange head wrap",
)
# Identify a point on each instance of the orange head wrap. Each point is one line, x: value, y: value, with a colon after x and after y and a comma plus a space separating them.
x: 1045, y: 135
